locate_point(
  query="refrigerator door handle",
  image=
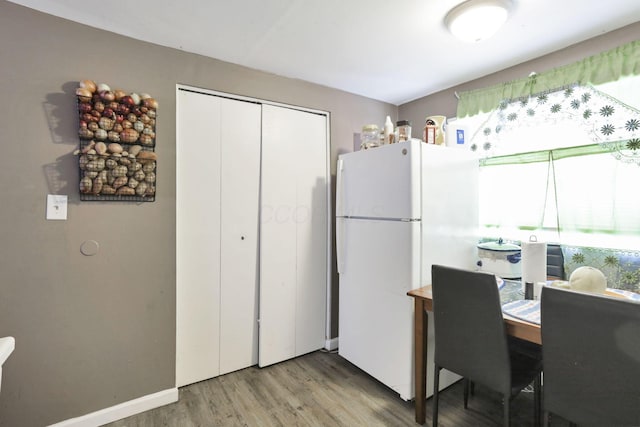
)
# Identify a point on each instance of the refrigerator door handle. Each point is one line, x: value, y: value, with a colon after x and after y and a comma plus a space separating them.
x: 340, y: 245
x: 339, y: 221
x: 339, y: 188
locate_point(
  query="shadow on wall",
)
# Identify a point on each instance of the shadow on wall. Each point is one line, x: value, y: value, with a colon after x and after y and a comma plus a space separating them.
x: 62, y: 176
x: 61, y: 111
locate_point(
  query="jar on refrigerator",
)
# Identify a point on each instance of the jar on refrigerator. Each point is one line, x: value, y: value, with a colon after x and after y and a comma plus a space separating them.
x: 370, y: 137
x: 404, y: 130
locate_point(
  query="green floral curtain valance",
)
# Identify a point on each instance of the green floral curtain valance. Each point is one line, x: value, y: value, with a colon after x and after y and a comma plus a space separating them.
x: 550, y: 155
x: 602, y: 68
x: 604, y: 119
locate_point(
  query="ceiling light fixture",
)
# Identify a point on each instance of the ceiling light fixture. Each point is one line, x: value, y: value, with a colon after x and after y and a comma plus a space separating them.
x: 477, y: 20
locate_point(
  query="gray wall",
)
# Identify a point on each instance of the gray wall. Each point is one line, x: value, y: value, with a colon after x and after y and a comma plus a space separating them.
x: 93, y: 332
x: 445, y: 103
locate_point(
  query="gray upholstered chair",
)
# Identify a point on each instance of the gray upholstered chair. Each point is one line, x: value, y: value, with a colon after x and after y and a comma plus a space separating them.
x: 591, y: 353
x: 471, y: 338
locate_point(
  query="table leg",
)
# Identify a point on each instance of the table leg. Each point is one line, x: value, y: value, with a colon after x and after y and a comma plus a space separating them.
x: 420, y: 341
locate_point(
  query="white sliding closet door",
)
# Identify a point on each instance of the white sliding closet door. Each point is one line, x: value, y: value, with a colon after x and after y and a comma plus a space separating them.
x: 239, y: 234
x: 217, y: 218
x: 293, y: 236
x: 197, y: 234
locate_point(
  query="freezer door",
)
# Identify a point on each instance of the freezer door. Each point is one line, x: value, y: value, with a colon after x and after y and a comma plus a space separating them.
x: 379, y: 262
x: 382, y: 182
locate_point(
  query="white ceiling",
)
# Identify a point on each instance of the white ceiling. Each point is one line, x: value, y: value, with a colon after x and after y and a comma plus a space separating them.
x: 393, y: 51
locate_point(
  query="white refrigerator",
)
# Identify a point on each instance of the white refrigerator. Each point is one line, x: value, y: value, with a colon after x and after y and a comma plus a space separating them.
x: 399, y: 209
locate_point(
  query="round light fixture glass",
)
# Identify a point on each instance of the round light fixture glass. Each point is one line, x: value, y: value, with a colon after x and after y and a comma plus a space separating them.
x: 477, y: 20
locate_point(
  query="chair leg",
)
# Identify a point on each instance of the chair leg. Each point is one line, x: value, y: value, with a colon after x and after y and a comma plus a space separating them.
x: 507, y: 407
x: 537, y: 400
x: 436, y: 386
x: 466, y: 392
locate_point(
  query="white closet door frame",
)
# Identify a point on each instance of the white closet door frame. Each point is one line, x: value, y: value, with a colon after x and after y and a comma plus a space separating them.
x: 328, y: 174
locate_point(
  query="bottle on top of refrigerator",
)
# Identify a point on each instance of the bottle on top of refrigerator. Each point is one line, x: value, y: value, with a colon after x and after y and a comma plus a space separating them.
x: 388, y: 131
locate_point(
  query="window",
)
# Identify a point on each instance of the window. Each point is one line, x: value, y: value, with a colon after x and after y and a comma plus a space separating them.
x: 563, y: 165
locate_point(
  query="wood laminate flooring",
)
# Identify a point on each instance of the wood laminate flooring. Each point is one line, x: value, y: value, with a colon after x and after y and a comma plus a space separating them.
x: 320, y: 389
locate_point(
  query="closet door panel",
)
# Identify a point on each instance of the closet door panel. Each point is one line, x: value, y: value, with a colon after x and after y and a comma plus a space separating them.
x: 278, y: 242
x: 312, y: 237
x: 197, y: 237
x: 293, y: 234
x: 240, y: 168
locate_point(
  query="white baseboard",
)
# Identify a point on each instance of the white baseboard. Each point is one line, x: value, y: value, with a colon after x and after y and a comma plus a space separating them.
x: 331, y: 344
x: 122, y: 410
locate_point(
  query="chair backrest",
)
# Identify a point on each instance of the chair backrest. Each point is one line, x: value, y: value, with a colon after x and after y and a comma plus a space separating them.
x: 470, y: 335
x: 591, y: 354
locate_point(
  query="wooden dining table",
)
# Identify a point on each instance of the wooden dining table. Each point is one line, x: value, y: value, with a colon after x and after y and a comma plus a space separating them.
x: 423, y: 300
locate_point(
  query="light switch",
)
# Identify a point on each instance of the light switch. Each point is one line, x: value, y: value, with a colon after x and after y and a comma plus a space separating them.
x: 56, y: 206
